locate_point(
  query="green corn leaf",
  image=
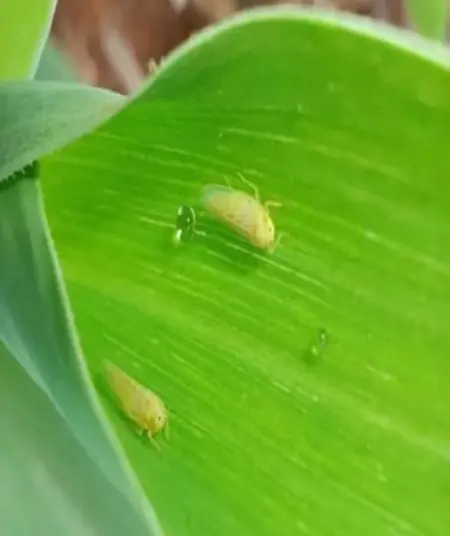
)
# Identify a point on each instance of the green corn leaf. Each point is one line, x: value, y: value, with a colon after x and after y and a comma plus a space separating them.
x: 57, y: 429
x: 307, y: 389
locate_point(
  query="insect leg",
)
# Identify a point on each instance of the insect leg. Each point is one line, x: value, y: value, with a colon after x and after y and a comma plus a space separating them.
x: 250, y: 185
x: 153, y: 441
x: 268, y: 204
x: 166, y: 431
x: 275, y: 245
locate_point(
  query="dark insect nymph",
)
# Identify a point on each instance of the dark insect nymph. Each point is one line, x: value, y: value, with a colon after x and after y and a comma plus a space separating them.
x: 184, y: 224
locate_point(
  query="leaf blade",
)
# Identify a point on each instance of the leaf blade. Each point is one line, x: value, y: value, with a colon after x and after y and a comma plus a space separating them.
x: 25, y: 25
x: 331, y: 128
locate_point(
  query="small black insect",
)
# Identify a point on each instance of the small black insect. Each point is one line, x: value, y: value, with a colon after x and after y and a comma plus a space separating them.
x: 317, y: 346
x: 184, y: 224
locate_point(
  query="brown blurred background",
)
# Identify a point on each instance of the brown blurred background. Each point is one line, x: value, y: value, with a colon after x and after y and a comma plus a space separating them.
x: 111, y: 42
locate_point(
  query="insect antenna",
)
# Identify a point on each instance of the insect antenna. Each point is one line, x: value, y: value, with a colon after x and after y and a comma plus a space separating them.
x: 250, y: 185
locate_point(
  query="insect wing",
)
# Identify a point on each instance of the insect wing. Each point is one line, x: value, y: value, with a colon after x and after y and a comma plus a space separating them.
x: 139, y: 403
x: 128, y: 391
x: 235, y: 208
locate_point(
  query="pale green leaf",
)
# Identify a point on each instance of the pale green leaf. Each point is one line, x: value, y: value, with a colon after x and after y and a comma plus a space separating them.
x: 58, y: 429
x: 39, y: 117
x: 48, y: 483
x: 430, y: 17
x: 24, y: 25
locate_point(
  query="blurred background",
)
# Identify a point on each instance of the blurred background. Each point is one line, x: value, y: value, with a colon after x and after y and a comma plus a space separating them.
x: 112, y: 43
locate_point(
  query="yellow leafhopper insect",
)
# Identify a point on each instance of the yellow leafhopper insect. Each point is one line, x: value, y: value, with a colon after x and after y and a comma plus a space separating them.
x: 140, y: 404
x: 243, y: 212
